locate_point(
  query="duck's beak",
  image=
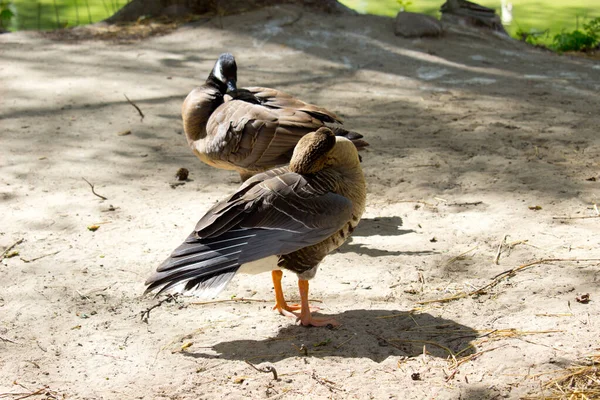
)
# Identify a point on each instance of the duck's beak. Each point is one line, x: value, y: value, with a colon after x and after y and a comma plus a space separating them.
x: 231, y: 86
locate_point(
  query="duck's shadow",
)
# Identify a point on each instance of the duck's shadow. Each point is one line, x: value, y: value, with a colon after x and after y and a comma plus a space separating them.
x: 381, y: 226
x: 373, y: 334
x: 384, y: 226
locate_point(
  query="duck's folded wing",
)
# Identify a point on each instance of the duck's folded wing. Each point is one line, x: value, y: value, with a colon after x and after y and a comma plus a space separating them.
x: 252, y: 136
x: 276, y: 99
x: 279, y: 100
x: 276, y: 213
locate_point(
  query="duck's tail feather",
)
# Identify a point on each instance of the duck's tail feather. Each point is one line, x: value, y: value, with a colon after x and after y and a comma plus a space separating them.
x: 203, y: 267
x: 353, y: 136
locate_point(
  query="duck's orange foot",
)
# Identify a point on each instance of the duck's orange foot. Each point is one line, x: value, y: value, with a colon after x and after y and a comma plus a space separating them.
x: 287, y: 310
x: 309, y: 320
x: 292, y: 307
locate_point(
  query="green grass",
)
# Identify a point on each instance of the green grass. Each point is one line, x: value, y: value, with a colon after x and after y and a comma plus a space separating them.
x: 42, y: 14
x: 528, y: 15
x: 555, y: 16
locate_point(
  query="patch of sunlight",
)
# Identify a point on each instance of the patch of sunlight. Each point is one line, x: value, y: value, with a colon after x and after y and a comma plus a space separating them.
x: 53, y: 14
x: 517, y: 15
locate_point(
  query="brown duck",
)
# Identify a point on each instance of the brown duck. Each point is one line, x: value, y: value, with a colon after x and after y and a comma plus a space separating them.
x: 249, y: 130
x: 287, y: 218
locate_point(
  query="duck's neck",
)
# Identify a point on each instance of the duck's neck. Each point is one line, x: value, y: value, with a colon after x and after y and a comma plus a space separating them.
x: 215, y: 83
x: 197, y: 109
x: 353, y: 186
x: 348, y: 182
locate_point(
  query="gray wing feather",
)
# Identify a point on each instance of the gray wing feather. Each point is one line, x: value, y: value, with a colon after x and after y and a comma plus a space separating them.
x: 273, y: 213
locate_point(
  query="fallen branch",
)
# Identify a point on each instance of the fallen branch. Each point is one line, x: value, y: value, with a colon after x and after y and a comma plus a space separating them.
x: 388, y: 342
x: 504, y: 275
x: 93, y: 191
x: 136, y: 107
x: 267, y: 369
x: 50, y: 394
x: 468, y: 203
x: 588, y: 217
x: 9, y: 248
x: 38, y: 258
x: 145, y: 315
x: 234, y: 300
x: 325, y: 382
x: 8, y: 340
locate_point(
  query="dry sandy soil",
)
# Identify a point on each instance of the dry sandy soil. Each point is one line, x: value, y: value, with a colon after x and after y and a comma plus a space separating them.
x: 473, y: 138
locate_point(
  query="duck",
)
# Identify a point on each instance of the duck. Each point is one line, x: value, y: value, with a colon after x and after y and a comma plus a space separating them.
x: 249, y: 130
x: 284, y: 219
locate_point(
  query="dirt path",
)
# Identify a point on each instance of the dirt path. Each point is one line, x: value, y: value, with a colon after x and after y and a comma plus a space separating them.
x: 473, y: 139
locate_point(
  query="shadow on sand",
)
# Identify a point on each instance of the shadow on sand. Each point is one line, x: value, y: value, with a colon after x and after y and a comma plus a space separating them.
x: 373, y: 334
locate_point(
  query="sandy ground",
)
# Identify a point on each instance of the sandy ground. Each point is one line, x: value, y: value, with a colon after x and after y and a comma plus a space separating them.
x: 472, y: 138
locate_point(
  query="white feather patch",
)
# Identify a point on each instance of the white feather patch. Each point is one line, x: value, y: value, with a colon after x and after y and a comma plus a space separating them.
x: 217, y: 71
x: 266, y: 264
x: 208, y: 289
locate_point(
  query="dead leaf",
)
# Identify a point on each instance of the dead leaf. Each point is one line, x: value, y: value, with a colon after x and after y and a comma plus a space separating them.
x: 124, y: 133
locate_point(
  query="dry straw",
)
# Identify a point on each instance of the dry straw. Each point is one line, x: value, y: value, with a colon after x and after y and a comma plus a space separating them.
x: 580, y: 381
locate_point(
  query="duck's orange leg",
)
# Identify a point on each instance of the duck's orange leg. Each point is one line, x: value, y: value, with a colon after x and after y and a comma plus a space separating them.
x: 306, y: 317
x: 280, y: 304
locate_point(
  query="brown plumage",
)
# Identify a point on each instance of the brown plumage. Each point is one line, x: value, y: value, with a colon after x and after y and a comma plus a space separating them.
x: 285, y: 218
x: 249, y: 130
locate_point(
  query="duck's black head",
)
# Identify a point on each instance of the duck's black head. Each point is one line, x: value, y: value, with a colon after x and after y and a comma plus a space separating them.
x: 224, y: 73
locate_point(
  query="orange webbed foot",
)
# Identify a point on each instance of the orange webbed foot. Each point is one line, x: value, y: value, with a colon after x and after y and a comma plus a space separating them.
x: 309, y: 320
x: 306, y: 318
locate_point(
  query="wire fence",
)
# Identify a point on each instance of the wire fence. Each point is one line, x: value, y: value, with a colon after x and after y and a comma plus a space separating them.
x: 56, y: 14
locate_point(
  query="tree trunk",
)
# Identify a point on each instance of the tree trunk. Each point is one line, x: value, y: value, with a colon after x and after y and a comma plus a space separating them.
x: 174, y: 8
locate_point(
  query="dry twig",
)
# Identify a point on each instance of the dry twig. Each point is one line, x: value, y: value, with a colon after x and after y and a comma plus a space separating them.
x: 9, y: 248
x: 468, y: 203
x: 50, y: 394
x: 586, y: 217
x: 502, y: 276
x: 267, y: 369
x: 577, y: 382
x: 497, y: 258
x: 136, y: 107
x: 25, y: 260
x: 93, y: 191
x: 145, y: 315
x: 388, y: 342
x: 234, y: 300
x: 8, y: 340
x: 325, y: 382
x: 458, y: 257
